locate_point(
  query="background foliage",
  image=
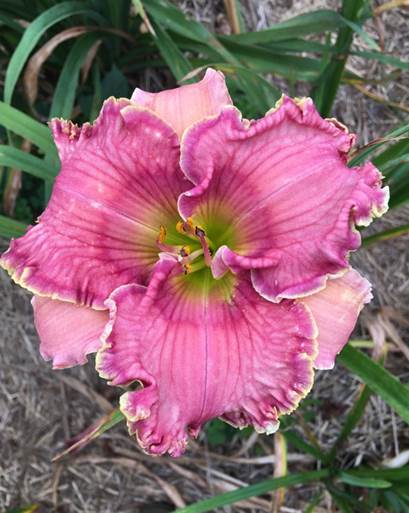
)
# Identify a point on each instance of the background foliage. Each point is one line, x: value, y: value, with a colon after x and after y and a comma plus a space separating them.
x: 64, y: 58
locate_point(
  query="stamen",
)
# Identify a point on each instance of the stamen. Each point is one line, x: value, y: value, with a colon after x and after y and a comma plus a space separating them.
x: 185, y: 251
x: 191, y: 257
x: 187, y: 268
x: 186, y: 256
x: 162, y: 234
x: 160, y: 242
x: 186, y: 227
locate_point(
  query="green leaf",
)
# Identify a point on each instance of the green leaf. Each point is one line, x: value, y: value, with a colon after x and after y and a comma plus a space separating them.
x: 27, y: 127
x: 115, y: 84
x: 31, y: 508
x: 253, y: 491
x: 65, y: 91
x: 313, y: 503
x: 390, y: 474
x: 10, y: 228
x: 387, y: 386
x: 393, y: 503
x: 300, y: 444
x: 401, y: 146
x: 362, y: 33
x: 174, y: 58
x: 382, y: 57
x: 296, y: 46
x: 353, y: 418
x: 265, y: 60
x: 10, y: 22
x: 97, y: 95
x: 398, y: 231
x: 341, y: 498
x: 15, y: 158
x: 328, y: 83
x: 309, y: 23
x: 304, y: 24
x: 33, y: 34
x: 263, y: 95
x: 364, y: 482
x: 94, y: 431
x: 172, y: 18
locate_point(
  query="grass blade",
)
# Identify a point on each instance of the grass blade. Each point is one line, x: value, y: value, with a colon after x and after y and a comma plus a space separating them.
x: 253, y: 491
x: 390, y: 474
x: 10, y: 22
x: 399, y: 148
x: 353, y: 418
x: 328, y: 83
x: 174, y: 58
x: 27, y: 127
x: 10, y: 228
x: 387, y: 386
x: 64, y: 95
x: 364, y: 482
x: 382, y: 57
x: 265, y: 60
x: 92, y: 432
x: 386, y: 235
x: 15, y: 158
x: 300, y: 444
x: 32, y: 71
x: 31, y: 508
x: 172, y: 18
x: 308, y: 23
x: 33, y: 34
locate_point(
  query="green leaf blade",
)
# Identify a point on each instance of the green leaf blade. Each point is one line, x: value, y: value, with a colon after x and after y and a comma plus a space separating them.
x: 387, y: 386
x: 33, y: 34
x: 15, y: 158
x: 28, y: 128
x: 253, y: 491
x: 64, y: 94
x: 364, y: 482
x: 10, y: 228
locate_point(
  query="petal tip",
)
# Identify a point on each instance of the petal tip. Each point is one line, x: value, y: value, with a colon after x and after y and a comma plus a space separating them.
x: 185, y: 105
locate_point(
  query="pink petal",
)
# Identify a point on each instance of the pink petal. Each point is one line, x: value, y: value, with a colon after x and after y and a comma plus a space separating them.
x: 183, y: 106
x: 335, y: 310
x: 201, y: 349
x: 119, y: 182
x: 283, y: 193
x: 67, y: 332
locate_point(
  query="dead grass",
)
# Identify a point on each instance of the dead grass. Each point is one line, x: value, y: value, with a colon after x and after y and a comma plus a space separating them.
x: 40, y: 409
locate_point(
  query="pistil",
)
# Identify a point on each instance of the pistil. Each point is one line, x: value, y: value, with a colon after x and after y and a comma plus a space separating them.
x: 205, y: 246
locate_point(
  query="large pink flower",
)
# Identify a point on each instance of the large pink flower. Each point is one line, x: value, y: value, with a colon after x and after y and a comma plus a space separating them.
x: 204, y: 256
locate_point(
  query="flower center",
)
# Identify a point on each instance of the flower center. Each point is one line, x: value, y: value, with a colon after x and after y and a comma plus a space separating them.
x: 196, y: 253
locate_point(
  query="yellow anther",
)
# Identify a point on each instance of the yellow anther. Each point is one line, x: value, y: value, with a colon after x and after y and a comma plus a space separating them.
x: 185, y: 251
x: 162, y: 234
x: 187, y: 268
x: 186, y: 227
x: 179, y: 227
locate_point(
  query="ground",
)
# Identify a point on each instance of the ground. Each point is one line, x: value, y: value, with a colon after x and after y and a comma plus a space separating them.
x: 40, y: 409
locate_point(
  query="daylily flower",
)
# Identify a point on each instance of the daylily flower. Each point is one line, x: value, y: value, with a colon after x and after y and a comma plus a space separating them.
x: 210, y: 252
